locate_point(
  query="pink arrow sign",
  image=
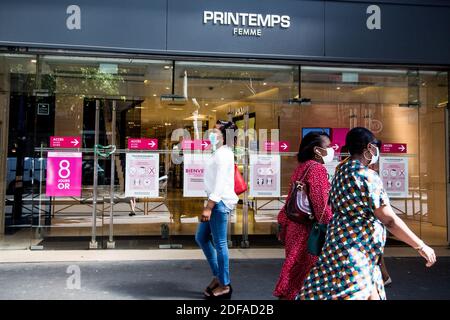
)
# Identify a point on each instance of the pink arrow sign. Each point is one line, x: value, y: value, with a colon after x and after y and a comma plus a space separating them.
x: 338, y: 138
x: 394, y: 148
x: 142, y: 144
x: 196, y: 144
x: 65, y: 142
x: 282, y: 146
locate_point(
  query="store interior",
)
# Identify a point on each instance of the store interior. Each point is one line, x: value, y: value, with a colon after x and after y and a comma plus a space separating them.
x: 155, y: 98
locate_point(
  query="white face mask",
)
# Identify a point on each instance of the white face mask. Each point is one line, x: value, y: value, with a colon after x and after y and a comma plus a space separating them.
x: 329, y: 157
x: 375, y: 157
x: 213, y: 140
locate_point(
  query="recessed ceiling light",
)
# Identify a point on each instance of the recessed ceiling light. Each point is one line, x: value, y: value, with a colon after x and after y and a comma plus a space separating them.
x: 33, y: 61
x: 213, y: 110
x: 206, y: 104
x: 154, y: 94
x: 264, y: 83
x: 146, y: 81
x: 166, y: 67
x: 338, y: 88
x: 222, y: 99
x: 176, y: 109
x: 167, y: 88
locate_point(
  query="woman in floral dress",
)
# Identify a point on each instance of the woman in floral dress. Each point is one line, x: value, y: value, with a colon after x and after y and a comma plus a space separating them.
x: 348, y: 267
x: 314, y: 151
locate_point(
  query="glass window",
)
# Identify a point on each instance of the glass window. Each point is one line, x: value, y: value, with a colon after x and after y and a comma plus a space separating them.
x: 403, y: 108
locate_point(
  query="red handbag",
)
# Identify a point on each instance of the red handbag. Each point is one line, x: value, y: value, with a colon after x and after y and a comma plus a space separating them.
x: 240, y: 186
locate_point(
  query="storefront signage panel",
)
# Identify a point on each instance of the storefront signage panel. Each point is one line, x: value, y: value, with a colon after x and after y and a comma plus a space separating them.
x: 406, y: 32
x: 63, y: 174
x: 142, y: 175
x: 265, y: 175
x: 131, y: 25
x: 393, y: 32
x: 262, y: 27
x: 394, y: 173
x: 194, y: 175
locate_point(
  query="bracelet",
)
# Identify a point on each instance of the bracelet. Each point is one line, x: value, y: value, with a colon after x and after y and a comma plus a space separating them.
x: 420, y: 247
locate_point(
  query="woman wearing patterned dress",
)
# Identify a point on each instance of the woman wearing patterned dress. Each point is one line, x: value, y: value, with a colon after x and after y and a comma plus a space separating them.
x: 314, y: 151
x: 348, y: 267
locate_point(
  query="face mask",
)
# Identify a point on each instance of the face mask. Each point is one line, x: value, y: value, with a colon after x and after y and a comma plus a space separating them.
x: 213, y: 140
x: 329, y: 157
x: 375, y: 157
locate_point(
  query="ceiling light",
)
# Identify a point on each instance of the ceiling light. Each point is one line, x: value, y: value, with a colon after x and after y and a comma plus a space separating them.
x: 206, y: 104
x: 154, y: 94
x: 146, y: 81
x: 338, y: 88
x: 166, y: 67
x: 264, y: 83
x: 222, y: 99
x: 33, y: 60
x: 176, y: 109
x: 167, y: 88
x: 213, y: 110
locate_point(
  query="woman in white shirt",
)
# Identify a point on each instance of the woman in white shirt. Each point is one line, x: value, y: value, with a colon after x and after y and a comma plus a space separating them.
x: 219, y: 187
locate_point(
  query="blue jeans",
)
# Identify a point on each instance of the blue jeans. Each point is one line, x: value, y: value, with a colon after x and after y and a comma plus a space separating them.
x: 216, y: 251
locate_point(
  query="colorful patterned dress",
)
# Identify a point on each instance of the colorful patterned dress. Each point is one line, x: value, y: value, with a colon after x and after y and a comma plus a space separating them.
x: 298, y: 261
x: 348, y: 267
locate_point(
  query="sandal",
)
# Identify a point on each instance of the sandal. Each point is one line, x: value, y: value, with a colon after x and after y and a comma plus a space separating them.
x: 224, y: 296
x: 209, y: 290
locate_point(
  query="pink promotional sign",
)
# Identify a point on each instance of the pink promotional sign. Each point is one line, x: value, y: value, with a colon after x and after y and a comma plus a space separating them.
x: 65, y: 142
x: 196, y: 144
x: 142, y: 144
x: 282, y: 146
x: 394, y: 148
x: 64, y: 174
x: 194, y: 175
x: 338, y: 138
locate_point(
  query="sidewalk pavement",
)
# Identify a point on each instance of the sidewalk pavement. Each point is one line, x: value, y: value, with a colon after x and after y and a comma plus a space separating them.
x: 183, y: 274
x: 24, y: 256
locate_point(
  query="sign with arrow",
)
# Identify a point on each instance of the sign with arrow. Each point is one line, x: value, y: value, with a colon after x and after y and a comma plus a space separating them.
x: 65, y: 142
x: 142, y: 144
x: 394, y: 148
x: 196, y: 144
x: 338, y: 138
x: 281, y: 146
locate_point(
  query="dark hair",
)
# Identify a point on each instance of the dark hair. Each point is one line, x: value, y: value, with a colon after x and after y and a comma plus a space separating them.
x: 224, y: 126
x: 358, y: 138
x: 309, y: 142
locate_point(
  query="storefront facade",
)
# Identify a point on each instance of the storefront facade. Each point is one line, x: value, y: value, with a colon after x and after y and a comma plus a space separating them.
x: 107, y: 72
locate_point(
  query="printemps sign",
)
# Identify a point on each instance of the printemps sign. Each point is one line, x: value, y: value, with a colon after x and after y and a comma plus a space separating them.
x: 246, y: 24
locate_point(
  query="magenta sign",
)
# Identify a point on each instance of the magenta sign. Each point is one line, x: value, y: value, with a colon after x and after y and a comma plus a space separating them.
x: 65, y: 142
x: 394, y: 148
x: 338, y: 138
x: 282, y: 146
x: 196, y: 144
x: 142, y: 144
x: 63, y: 174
